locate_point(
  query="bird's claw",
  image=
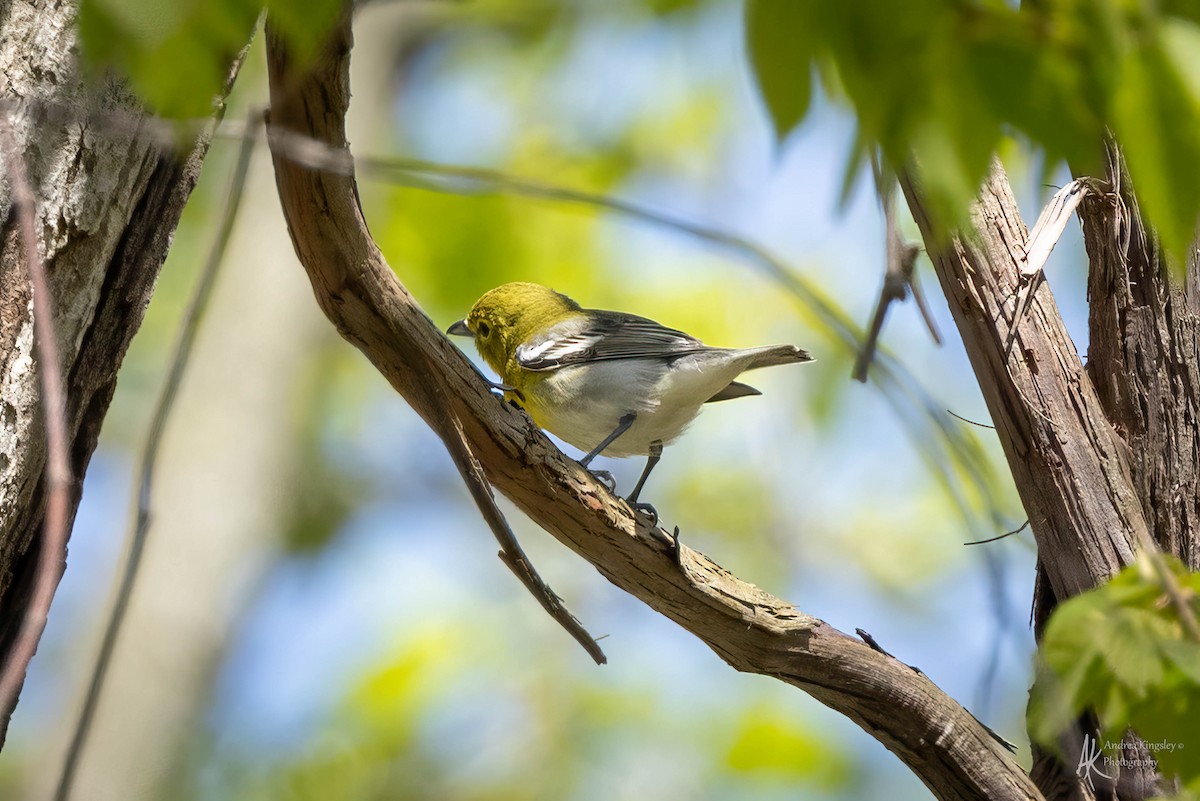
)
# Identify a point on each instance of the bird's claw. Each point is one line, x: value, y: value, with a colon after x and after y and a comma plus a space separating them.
x: 646, y: 509
x: 605, y: 478
x: 514, y: 396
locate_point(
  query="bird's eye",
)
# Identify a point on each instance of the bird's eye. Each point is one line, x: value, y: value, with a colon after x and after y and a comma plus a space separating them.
x: 484, y: 329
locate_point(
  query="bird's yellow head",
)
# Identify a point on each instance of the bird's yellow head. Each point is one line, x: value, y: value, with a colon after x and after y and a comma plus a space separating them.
x: 509, y: 315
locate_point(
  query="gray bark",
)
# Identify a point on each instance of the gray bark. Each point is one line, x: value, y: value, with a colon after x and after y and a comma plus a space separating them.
x: 108, y: 203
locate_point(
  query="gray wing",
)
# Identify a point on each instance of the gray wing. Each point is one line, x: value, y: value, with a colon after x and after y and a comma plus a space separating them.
x: 602, y: 336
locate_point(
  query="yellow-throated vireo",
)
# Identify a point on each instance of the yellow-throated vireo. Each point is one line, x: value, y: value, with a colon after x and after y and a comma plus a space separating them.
x: 605, y: 381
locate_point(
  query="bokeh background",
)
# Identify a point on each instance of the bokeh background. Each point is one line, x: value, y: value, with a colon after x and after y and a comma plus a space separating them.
x: 321, y: 614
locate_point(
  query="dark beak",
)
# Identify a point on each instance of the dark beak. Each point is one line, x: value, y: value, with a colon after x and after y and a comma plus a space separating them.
x: 459, y: 329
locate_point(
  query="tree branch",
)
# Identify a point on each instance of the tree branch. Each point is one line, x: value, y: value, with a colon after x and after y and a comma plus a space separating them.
x: 511, y: 553
x: 52, y: 550
x: 899, y: 273
x: 940, y: 741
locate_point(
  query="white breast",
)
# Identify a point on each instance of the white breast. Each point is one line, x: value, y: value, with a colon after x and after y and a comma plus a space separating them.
x: 584, y: 404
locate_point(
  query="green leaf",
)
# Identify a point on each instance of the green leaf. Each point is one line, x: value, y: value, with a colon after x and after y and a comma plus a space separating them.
x: 1156, y: 115
x: 177, y: 55
x: 1169, y: 722
x: 1052, y: 704
x: 781, y: 58
x: 942, y: 84
x: 666, y: 7
x: 1121, y: 651
x: 1185, y: 656
x: 1129, y: 641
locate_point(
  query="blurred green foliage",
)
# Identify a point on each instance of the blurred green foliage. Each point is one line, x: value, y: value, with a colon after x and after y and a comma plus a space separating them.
x: 940, y: 83
x: 177, y: 55
x: 405, y: 727
x: 766, y: 741
x: 1122, y: 650
x: 423, y: 723
x: 781, y: 59
x: 327, y: 493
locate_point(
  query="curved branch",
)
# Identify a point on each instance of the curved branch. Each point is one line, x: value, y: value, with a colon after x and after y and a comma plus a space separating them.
x: 941, y: 742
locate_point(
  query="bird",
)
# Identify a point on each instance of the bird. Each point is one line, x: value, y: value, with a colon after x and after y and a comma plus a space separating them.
x: 606, y: 382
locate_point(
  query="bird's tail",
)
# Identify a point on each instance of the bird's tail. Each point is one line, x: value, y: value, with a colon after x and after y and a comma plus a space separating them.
x: 771, y: 355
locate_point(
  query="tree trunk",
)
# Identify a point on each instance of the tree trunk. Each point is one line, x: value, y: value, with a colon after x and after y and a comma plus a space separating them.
x: 1144, y: 360
x: 108, y: 202
x: 1103, y: 456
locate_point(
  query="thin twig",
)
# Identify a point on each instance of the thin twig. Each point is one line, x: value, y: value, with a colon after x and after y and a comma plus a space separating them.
x: 968, y: 420
x: 895, y: 288
x: 875, y: 646
x: 1000, y: 536
x: 898, y: 275
x: 894, y: 285
x: 189, y: 326
x: 511, y: 552
x: 52, y: 554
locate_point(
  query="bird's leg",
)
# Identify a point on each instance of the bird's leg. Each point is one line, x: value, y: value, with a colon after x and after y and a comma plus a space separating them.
x: 622, y: 426
x: 656, y: 448
x: 603, y: 475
